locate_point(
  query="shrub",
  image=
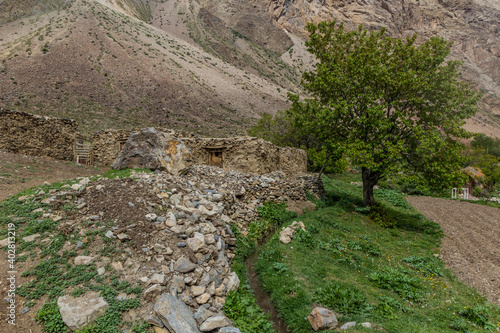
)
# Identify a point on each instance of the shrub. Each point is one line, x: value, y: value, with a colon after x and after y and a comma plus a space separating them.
x: 380, y: 216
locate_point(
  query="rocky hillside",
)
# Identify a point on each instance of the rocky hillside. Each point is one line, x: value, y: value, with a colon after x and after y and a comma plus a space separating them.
x: 208, y: 66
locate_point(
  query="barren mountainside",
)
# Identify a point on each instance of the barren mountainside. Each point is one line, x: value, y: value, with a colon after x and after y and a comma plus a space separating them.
x: 208, y: 66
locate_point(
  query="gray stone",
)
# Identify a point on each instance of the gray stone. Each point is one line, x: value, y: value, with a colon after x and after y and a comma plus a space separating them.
x: 152, y: 292
x: 175, y: 199
x: 348, y: 325
x: 158, y: 278
x: 151, y: 217
x: 234, y: 281
x: 171, y: 221
x: 177, y: 285
x: 286, y: 235
x: 213, y: 323
x: 322, y: 318
x: 175, y: 315
x: 109, y: 234
x: 202, y: 314
x: 229, y: 330
x: 80, y: 311
x: 123, y: 236
x: 101, y: 271
x: 178, y: 229
x: 31, y: 238
x: 197, y: 242
x: 202, y: 299
x: 4, y: 242
x: 184, y: 265
x: 197, y: 290
x: 153, y: 320
x: 366, y: 324
x: 83, y: 260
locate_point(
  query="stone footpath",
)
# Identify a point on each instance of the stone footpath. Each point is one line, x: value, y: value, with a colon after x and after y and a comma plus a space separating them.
x: 174, y: 238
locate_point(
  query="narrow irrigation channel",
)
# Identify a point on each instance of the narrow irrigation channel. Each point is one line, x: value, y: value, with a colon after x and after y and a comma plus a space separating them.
x: 263, y: 299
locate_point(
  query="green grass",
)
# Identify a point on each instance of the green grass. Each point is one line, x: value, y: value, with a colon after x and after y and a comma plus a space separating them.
x: 54, y: 274
x: 366, y: 272
x: 241, y: 306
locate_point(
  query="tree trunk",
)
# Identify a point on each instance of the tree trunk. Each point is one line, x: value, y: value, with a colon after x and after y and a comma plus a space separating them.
x: 322, y: 168
x: 370, y: 179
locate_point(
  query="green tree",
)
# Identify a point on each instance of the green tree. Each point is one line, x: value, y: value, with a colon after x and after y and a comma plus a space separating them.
x: 393, y: 106
x: 282, y: 130
x: 490, y: 166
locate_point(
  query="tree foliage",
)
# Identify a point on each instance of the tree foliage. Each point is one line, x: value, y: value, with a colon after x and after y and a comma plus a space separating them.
x: 282, y: 130
x: 391, y: 105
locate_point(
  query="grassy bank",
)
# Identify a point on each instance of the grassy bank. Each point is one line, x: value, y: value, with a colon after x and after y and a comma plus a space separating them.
x: 379, y: 266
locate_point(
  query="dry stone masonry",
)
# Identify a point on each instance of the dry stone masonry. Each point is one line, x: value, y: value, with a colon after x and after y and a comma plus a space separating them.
x: 24, y: 133
x: 59, y: 138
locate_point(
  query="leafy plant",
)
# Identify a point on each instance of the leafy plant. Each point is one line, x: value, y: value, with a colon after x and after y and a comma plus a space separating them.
x: 478, y: 315
x: 428, y: 265
x: 381, y: 216
x: 394, y: 197
x: 51, y: 319
x: 243, y: 310
x: 342, y: 297
x: 400, y: 281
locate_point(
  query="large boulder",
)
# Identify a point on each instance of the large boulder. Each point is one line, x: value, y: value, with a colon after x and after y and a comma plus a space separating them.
x: 321, y: 318
x: 151, y: 149
x: 80, y: 311
x: 175, y: 315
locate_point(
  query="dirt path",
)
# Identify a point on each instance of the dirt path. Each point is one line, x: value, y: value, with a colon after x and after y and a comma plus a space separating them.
x: 471, y: 246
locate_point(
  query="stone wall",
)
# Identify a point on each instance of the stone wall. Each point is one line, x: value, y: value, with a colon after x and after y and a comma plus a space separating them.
x: 24, y: 133
x: 107, y: 144
x: 292, y: 160
x: 248, y: 155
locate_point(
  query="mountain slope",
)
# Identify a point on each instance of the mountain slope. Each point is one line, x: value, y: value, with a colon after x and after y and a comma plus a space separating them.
x: 94, y: 62
x: 209, y: 66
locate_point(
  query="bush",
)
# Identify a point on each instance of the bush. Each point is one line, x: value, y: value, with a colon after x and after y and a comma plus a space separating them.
x: 380, y: 216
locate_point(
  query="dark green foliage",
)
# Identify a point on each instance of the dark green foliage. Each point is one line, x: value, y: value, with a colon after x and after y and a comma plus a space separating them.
x: 275, y: 213
x: 51, y: 319
x: 478, y: 315
x: 342, y: 297
x: 394, y: 197
x: 488, y: 144
x: 400, y: 281
x: 429, y: 265
x: 242, y: 309
x: 388, y: 104
x: 380, y: 215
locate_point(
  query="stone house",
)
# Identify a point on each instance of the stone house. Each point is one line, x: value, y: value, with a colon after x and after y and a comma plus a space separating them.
x: 59, y: 138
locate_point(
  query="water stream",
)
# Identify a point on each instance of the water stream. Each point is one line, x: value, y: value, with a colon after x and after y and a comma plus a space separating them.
x: 263, y: 299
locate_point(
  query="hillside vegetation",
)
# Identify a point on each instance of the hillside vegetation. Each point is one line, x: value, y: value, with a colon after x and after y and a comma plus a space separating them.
x: 380, y: 266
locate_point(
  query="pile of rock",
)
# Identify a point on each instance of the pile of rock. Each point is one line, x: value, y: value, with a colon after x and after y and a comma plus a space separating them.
x: 174, y: 235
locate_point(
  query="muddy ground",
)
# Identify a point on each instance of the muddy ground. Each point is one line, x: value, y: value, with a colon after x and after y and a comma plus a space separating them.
x: 471, y: 246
